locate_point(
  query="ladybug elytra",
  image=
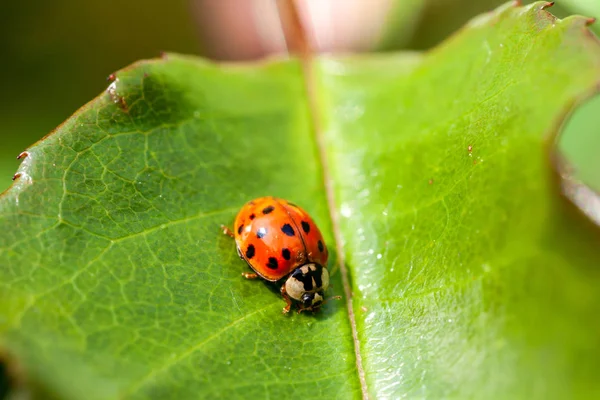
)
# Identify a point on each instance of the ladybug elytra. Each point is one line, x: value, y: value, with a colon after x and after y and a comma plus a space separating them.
x: 280, y: 240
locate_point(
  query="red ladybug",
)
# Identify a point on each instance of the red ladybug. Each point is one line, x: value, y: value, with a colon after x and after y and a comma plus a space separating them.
x: 278, y: 239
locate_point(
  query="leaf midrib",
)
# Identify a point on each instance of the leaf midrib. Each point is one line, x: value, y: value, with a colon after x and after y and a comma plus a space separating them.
x: 299, y: 45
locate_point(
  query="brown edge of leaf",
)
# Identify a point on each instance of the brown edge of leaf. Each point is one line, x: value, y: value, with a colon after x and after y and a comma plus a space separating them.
x: 579, y: 200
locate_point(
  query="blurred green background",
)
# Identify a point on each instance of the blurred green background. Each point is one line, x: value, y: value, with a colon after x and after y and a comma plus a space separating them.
x: 56, y: 57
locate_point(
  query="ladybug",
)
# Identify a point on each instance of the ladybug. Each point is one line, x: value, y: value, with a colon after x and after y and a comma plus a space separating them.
x: 279, y: 240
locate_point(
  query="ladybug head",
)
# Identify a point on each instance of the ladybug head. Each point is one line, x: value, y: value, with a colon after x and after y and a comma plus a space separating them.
x: 313, y: 300
x: 307, y: 284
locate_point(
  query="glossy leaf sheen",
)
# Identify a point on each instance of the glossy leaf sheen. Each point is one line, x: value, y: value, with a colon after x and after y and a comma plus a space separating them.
x: 470, y: 277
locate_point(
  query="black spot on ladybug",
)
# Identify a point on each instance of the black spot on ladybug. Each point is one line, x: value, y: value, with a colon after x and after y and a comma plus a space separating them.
x: 321, y: 248
x: 286, y: 254
x: 252, y: 216
x: 240, y: 229
x: 292, y: 204
x: 317, y: 275
x: 272, y: 263
x: 308, y: 282
x: 288, y: 230
x: 305, y: 226
x: 268, y: 209
x: 306, y: 279
x: 261, y: 233
x: 250, y: 251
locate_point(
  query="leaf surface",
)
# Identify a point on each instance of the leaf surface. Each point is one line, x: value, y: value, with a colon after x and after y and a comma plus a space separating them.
x: 471, y: 277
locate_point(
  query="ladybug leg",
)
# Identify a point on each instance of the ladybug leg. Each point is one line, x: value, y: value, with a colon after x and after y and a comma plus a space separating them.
x: 226, y: 231
x: 287, y: 299
x: 300, y: 309
x: 325, y: 301
x: 249, y: 275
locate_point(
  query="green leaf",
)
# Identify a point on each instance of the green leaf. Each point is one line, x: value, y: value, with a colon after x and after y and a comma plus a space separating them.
x: 118, y: 271
x: 477, y: 281
x: 471, y: 277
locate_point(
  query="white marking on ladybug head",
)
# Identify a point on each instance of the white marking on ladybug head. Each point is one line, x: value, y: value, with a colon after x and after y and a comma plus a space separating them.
x: 307, y: 285
x: 294, y: 288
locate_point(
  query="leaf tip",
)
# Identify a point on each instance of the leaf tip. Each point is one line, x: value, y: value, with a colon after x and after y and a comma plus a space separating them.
x: 23, y: 155
x: 16, y: 176
x: 590, y: 21
x: 111, y: 78
x: 548, y: 4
